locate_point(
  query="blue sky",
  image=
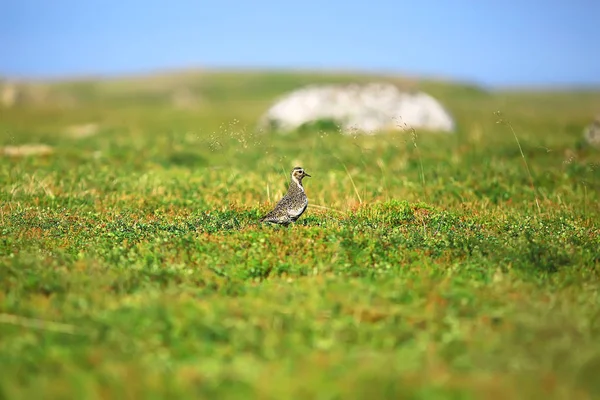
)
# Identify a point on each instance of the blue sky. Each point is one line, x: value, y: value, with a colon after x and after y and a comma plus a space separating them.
x: 510, y: 42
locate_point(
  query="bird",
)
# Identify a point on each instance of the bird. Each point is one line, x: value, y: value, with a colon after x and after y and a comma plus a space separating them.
x: 293, y: 204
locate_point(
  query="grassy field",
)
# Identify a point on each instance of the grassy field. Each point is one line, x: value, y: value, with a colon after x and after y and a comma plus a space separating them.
x: 428, y: 266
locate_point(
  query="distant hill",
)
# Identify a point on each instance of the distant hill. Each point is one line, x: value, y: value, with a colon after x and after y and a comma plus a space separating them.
x: 213, y: 97
x: 217, y: 86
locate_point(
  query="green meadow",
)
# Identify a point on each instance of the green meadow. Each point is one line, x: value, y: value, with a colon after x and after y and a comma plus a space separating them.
x: 427, y: 266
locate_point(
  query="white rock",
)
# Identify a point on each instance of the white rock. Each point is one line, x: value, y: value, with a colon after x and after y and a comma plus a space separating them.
x: 26, y: 150
x: 8, y: 94
x: 358, y: 108
x: 592, y: 132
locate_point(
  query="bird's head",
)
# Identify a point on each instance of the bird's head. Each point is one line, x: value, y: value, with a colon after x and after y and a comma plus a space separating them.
x: 299, y: 173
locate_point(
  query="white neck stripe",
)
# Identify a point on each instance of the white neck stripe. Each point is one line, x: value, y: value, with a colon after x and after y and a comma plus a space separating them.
x: 297, y: 183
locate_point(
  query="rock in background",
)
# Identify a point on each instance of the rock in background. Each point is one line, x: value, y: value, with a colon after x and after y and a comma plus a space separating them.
x: 358, y: 108
x: 9, y: 94
x: 592, y: 132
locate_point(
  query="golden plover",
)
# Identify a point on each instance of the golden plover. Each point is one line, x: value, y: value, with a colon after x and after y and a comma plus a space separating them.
x: 293, y: 204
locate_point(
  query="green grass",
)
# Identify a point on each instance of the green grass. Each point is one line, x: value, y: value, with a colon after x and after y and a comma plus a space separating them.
x: 131, y: 263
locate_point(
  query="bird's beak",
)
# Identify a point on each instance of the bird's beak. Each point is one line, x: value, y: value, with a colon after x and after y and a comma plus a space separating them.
x: 305, y: 174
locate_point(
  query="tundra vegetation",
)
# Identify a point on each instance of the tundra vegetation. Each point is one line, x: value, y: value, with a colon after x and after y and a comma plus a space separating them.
x: 427, y: 265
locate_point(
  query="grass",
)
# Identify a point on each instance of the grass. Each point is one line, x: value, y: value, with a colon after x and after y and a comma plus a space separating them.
x: 131, y: 263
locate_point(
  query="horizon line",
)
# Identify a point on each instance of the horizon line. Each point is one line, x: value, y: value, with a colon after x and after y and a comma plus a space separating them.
x: 198, y: 69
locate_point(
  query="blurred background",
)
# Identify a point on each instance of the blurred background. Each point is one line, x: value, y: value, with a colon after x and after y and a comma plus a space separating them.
x: 197, y: 71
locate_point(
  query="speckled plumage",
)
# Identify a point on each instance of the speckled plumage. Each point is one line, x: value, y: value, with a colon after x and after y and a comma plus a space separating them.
x: 293, y: 204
